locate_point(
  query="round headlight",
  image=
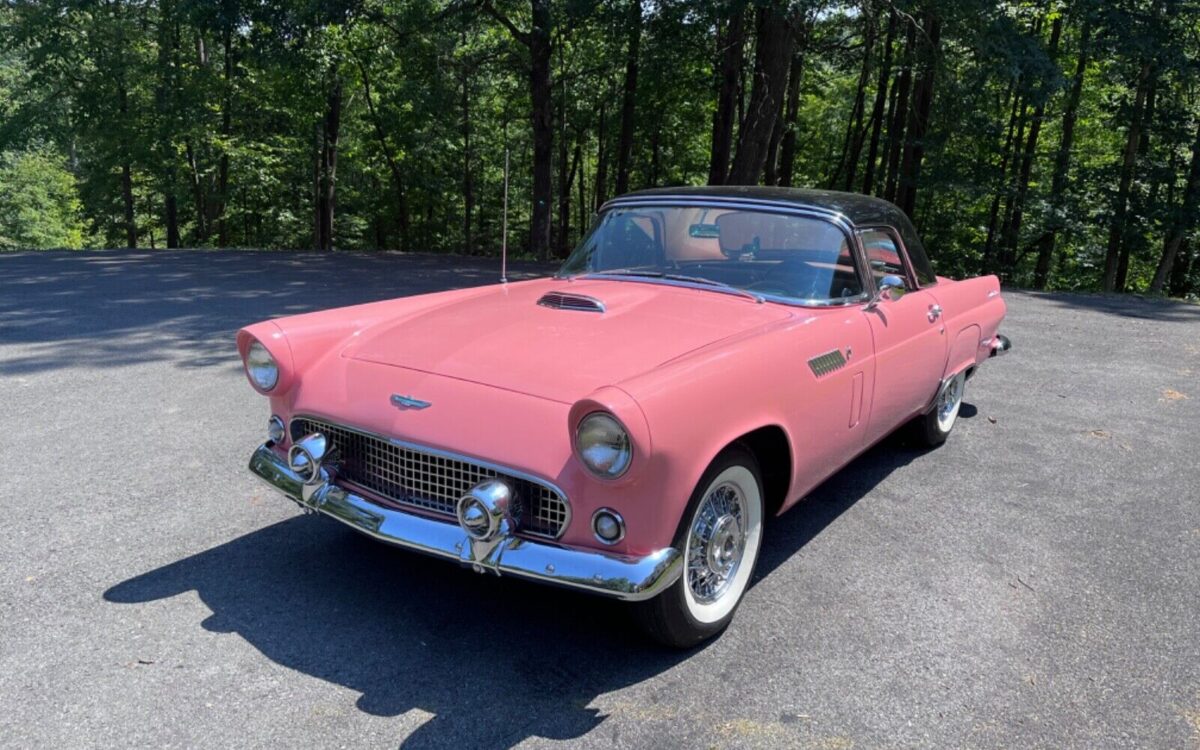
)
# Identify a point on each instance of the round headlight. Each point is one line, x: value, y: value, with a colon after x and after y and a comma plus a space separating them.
x: 603, y: 445
x: 261, y: 367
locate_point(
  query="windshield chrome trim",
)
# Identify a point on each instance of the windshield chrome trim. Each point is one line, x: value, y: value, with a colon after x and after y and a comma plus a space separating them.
x: 837, y: 218
x: 667, y: 281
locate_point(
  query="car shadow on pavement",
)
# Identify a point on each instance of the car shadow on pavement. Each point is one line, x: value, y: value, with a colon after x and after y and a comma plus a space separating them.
x: 496, y: 661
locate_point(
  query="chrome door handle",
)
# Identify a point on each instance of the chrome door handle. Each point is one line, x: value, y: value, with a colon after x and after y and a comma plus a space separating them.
x: 935, y: 312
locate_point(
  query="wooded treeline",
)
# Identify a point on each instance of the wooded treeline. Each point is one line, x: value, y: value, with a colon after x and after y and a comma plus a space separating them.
x: 1055, y: 142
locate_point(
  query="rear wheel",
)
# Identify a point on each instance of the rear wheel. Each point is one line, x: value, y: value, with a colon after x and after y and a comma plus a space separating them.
x: 720, y: 540
x: 934, y: 427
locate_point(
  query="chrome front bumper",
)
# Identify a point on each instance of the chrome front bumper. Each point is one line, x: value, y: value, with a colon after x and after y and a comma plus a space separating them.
x: 617, y: 576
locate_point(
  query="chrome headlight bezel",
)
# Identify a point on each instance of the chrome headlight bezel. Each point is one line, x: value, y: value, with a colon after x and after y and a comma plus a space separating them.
x: 261, y: 367
x: 603, y: 445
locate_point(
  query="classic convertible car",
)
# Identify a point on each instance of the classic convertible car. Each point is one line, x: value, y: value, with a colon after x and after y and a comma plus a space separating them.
x: 703, y: 359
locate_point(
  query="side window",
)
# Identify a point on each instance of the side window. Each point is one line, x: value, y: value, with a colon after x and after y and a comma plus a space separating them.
x: 883, y: 255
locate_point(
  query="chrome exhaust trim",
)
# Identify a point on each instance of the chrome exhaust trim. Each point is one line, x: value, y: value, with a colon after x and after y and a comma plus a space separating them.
x: 1001, y: 345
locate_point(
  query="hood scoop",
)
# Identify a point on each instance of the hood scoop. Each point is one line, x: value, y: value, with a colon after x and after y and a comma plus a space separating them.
x: 571, y: 301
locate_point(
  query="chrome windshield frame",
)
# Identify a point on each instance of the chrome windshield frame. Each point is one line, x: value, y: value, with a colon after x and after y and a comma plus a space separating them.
x: 838, y: 219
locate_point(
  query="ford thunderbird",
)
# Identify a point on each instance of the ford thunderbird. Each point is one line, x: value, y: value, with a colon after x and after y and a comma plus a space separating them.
x: 702, y: 360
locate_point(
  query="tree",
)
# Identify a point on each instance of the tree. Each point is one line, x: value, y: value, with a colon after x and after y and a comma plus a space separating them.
x: 774, y: 34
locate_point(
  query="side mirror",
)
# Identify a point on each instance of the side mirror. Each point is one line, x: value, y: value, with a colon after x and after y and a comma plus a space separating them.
x: 884, y: 290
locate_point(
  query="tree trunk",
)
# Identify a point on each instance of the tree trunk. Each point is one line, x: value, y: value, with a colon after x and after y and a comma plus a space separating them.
x: 164, y: 98
x: 918, y: 123
x: 900, y: 118
x: 559, y: 234
x: 1062, y: 164
x: 852, y: 143
x: 1006, y: 153
x: 1184, y: 221
x: 329, y: 155
x: 1135, y: 197
x: 402, y: 220
x: 1012, y: 232
x: 1181, y: 273
x: 601, y: 190
x: 885, y: 142
x: 770, y: 168
x: 543, y: 128
x: 541, y: 99
x: 226, y: 131
x: 1117, y: 228
x: 772, y: 55
x: 583, y: 223
x: 564, y: 200
x: 881, y: 96
x: 126, y: 170
x: 197, y: 194
x: 468, y: 179
x: 730, y: 47
x: 787, y: 147
x: 629, y: 100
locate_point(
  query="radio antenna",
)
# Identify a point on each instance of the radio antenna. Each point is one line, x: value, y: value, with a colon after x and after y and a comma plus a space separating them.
x: 504, y: 229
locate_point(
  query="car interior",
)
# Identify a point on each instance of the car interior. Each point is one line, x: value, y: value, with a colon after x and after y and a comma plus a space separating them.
x: 775, y: 254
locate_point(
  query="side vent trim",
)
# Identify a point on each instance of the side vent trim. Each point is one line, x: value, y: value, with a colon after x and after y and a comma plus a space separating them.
x: 570, y: 301
x: 828, y: 362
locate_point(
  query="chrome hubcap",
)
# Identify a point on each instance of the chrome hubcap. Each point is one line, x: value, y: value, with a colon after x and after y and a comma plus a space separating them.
x: 716, y: 542
x: 949, y: 402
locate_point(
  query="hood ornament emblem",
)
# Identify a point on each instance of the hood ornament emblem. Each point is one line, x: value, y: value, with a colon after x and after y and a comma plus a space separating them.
x: 408, y: 402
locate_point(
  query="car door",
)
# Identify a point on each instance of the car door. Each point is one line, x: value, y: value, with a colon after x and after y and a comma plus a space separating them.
x: 908, y: 334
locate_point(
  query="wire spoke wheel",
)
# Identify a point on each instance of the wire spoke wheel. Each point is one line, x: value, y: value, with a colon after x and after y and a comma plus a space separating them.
x: 719, y: 535
x: 716, y: 543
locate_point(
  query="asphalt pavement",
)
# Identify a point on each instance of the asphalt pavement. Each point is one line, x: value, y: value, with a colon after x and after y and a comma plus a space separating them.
x: 1033, y: 583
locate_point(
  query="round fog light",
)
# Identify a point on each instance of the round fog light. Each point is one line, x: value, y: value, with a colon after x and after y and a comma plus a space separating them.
x: 275, y: 430
x: 608, y: 525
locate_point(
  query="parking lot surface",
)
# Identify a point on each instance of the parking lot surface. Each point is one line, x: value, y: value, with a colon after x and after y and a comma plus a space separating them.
x: 1033, y: 583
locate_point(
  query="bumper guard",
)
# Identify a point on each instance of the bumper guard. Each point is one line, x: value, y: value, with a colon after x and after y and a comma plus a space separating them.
x: 616, y: 576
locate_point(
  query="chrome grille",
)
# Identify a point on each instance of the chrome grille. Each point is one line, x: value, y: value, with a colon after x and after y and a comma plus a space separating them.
x: 409, y: 475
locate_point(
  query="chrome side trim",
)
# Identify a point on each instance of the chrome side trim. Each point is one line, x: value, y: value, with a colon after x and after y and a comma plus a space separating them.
x: 828, y: 362
x: 504, y: 470
x: 618, y: 576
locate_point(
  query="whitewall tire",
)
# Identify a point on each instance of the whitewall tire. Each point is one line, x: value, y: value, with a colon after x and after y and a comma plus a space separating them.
x: 935, y: 427
x: 720, y: 538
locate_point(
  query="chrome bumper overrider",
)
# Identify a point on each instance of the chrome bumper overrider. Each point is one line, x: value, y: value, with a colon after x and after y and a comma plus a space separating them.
x: 621, y: 577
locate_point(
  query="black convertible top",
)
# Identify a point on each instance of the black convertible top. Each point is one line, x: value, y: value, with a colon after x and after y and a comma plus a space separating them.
x: 860, y: 210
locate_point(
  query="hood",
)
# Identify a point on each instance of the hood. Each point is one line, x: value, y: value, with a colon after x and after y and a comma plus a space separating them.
x: 503, y: 338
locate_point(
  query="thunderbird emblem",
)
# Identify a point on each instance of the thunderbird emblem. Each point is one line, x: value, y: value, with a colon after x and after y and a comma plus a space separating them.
x: 408, y: 402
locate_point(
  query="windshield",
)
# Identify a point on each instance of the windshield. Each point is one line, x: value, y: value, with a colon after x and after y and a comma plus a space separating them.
x: 766, y: 254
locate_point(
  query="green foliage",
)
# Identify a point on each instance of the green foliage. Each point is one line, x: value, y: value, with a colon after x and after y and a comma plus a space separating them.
x: 212, y: 123
x: 39, y: 201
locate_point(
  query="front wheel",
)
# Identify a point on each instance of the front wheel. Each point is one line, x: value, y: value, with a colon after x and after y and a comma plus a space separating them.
x: 720, y: 539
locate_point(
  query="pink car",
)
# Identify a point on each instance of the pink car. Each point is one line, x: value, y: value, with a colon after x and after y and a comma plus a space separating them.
x: 703, y: 360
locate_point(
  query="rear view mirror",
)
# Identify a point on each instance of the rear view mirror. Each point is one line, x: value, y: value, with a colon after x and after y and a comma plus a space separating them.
x: 704, y: 231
